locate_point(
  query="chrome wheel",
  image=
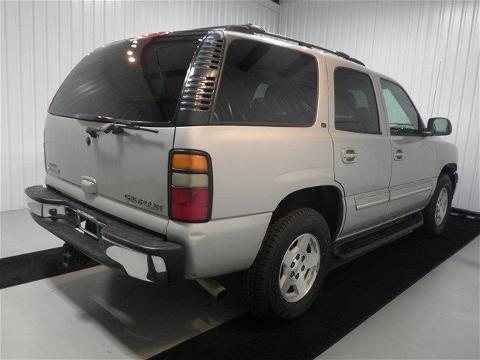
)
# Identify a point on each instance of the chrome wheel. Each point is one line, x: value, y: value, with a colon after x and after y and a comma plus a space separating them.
x: 441, y: 206
x: 299, y: 267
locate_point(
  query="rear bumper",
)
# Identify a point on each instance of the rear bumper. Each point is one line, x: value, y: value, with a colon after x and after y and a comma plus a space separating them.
x: 138, y: 252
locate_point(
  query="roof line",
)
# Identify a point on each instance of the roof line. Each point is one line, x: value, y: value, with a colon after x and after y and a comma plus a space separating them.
x: 253, y: 29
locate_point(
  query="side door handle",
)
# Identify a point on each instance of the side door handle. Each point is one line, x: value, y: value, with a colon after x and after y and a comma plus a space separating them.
x: 89, y: 184
x: 349, y: 155
x: 397, y: 154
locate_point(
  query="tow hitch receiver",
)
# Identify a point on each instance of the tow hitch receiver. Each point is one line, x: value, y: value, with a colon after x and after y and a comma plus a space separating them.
x: 72, y: 258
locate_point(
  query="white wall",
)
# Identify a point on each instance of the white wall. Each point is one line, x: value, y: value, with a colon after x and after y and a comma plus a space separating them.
x: 431, y: 47
x: 42, y: 40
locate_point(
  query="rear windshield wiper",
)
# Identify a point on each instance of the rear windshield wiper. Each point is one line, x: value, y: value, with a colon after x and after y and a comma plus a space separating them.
x: 114, y: 126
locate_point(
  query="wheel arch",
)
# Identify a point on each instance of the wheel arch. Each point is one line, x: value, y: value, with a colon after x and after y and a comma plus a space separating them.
x: 450, y: 169
x: 326, y: 199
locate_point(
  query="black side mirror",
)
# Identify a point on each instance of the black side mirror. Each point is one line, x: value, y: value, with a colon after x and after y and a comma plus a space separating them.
x: 439, y: 126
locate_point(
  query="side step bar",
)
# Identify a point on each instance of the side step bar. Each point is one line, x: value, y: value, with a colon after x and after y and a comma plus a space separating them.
x: 350, y: 248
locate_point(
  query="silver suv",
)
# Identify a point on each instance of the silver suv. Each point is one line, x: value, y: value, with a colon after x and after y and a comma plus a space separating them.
x: 193, y: 154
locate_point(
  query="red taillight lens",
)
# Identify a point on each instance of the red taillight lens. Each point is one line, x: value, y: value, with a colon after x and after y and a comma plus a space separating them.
x: 189, y: 204
x: 190, y: 186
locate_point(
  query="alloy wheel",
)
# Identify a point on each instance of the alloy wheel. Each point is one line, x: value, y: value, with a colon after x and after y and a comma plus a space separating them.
x: 299, y: 267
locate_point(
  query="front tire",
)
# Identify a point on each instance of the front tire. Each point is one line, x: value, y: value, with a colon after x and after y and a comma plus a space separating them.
x: 287, y: 274
x: 437, y: 212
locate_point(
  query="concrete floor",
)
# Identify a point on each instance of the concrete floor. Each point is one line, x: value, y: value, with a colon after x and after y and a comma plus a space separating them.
x: 436, y: 318
x: 19, y: 234
x: 100, y: 313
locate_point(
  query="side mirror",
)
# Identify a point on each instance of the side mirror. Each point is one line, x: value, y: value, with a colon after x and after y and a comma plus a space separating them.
x: 439, y: 126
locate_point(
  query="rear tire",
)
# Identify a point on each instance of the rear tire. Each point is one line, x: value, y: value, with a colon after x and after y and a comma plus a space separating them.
x: 437, y: 212
x: 287, y: 274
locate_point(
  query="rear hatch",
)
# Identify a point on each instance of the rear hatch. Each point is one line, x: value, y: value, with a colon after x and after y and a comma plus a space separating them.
x: 135, y: 85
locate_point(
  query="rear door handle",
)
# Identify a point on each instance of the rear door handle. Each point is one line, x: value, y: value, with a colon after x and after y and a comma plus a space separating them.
x: 349, y: 155
x: 398, y: 154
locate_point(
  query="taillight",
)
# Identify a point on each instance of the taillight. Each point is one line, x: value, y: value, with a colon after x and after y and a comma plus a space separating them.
x: 190, y: 186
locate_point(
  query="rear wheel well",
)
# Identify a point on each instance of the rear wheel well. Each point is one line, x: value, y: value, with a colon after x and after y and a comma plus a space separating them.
x: 450, y: 170
x: 327, y: 200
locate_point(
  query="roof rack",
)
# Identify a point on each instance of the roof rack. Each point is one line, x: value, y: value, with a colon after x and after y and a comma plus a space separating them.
x: 256, y: 29
x: 310, y: 46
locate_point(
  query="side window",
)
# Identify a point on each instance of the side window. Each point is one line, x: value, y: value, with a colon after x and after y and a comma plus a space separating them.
x: 401, y: 114
x: 265, y: 84
x: 355, y: 103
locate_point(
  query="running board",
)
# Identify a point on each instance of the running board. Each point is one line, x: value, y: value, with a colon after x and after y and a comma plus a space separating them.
x: 350, y: 248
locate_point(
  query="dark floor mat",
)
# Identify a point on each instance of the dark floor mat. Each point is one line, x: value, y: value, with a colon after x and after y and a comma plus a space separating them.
x: 20, y: 269
x: 351, y: 294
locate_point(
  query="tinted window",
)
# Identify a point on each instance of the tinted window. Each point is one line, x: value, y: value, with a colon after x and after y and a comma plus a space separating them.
x: 401, y: 114
x: 267, y: 84
x: 127, y: 80
x: 355, y: 104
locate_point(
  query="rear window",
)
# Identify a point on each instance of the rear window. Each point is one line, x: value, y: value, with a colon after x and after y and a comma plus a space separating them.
x: 265, y: 84
x: 355, y: 102
x: 138, y: 80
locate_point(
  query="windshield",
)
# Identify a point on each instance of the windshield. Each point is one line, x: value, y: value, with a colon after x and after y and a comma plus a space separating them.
x: 137, y: 80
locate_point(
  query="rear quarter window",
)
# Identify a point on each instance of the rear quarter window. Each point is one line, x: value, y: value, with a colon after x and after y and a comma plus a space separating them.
x: 264, y: 84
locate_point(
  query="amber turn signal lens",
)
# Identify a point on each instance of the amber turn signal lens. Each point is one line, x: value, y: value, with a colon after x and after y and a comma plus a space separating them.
x: 190, y: 162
